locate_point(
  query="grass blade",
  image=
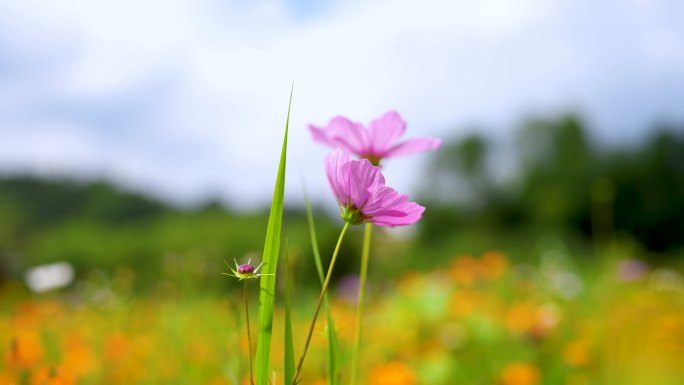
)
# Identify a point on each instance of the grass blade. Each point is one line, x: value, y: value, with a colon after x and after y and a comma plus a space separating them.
x: 270, y: 261
x: 289, y: 345
x: 333, y: 352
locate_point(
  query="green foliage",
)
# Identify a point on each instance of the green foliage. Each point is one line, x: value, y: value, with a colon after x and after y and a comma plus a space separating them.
x: 563, y: 184
x: 175, y: 245
x: 270, y: 261
x: 32, y: 203
x: 470, y: 321
x: 649, y: 191
x: 289, y: 344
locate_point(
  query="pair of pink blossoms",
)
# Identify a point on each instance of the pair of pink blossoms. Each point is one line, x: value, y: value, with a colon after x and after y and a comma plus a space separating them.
x: 359, y: 185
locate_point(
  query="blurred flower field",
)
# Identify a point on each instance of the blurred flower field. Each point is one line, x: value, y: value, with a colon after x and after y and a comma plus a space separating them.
x: 479, y: 320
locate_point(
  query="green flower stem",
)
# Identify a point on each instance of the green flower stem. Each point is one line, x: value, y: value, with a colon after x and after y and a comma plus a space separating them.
x: 249, y: 336
x: 320, y: 301
x: 359, y: 306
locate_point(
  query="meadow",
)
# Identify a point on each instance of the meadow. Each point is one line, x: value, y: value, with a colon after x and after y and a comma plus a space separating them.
x: 477, y: 320
x: 575, y: 278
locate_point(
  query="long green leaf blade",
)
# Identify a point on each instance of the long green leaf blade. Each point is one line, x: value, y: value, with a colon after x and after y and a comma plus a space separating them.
x: 333, y: 352
x: 270, y: 264
x: 289, y: 345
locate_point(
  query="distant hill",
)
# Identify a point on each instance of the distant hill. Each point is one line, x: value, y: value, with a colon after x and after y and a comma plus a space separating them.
x: 97, y: 226
x: 38, y: 203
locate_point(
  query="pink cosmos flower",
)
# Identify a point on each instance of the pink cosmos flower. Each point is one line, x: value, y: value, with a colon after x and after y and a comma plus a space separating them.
x: 374, y: 143
x: 363, y: 197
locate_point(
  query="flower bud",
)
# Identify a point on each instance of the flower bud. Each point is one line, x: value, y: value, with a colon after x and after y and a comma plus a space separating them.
x: 245, y: 269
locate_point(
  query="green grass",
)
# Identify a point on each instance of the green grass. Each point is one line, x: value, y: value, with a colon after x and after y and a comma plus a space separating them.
x: 270, y: 261
x: 289, y: 344
x: 332, y: 347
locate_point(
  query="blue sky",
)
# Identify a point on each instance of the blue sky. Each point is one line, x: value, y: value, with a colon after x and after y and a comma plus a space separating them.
x: 187, y: 99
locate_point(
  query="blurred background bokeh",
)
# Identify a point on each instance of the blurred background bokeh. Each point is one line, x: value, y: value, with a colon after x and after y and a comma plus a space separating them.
x: 139, y: 143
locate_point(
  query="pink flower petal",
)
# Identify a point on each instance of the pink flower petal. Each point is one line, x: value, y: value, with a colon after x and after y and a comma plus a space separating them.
x: 321, y: 136
x: 360, y: 186
x: 387, y: 207
x: 413, y: 146
x: 364, y: 179
x: 337, y: 170
x: 343, y: 133
x: 375, y: 143
x: 411, y: 213
x: 384, y: 132
x: 383, y: 199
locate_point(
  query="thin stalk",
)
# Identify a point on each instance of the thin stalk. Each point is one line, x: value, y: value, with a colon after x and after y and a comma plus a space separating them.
x: 359, y: 305
x: 249, y: 336
x: 320, y: 301
x: 332, y: 348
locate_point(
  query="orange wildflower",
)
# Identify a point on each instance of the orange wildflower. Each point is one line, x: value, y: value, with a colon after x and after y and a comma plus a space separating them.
x: 25, y: 350
x: 494, y: 265
x: 519, y: 373
x: 7, y: 379
x: 463, y: 303
x: 465, y: 270
x: 522, y: 317
x: 530, y: 319
x: 52, y: 376
x: 78, y: 356
x: 392, y: 373
x: 576, y: 353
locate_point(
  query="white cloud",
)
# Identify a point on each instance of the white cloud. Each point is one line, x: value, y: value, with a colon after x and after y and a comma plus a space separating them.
x: 202, y: 86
